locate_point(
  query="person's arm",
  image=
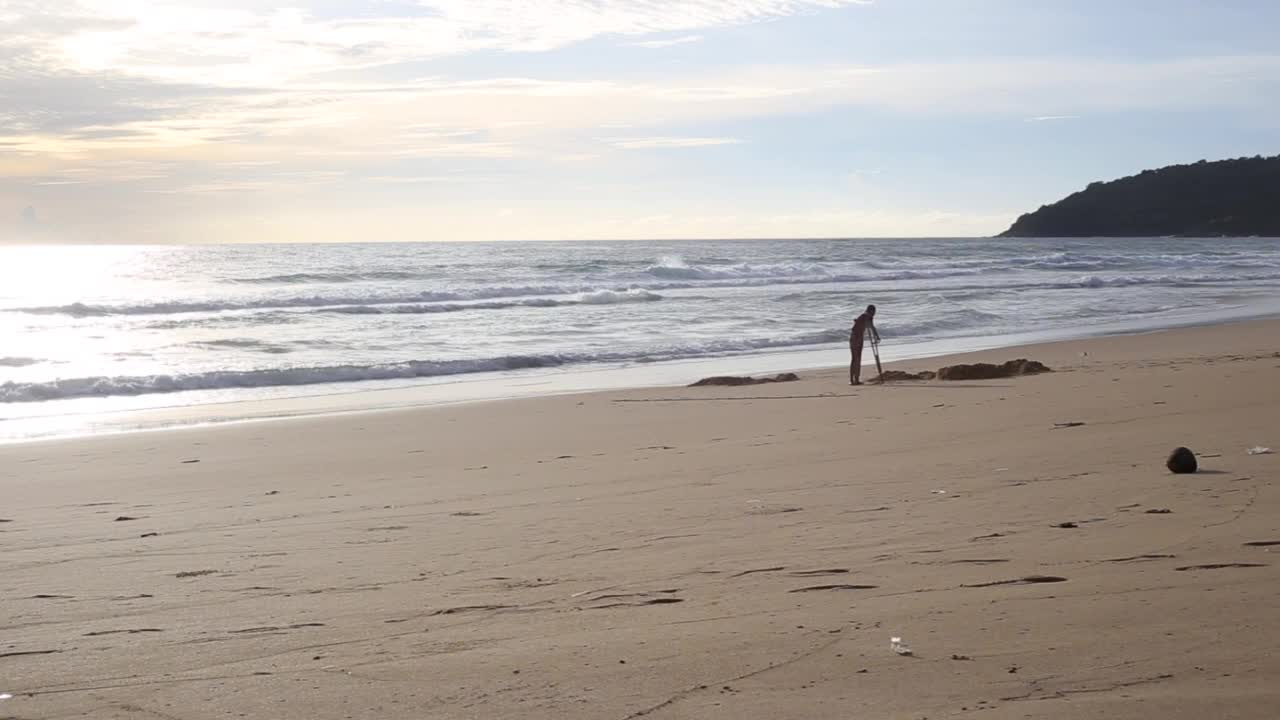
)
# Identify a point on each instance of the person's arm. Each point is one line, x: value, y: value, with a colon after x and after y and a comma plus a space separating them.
x: 875, y: 334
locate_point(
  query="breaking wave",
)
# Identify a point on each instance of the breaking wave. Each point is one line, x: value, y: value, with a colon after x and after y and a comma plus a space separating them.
x: 326, y: 278
x: 552, y: 295
x: 105, y: 386
x: 598, y: 297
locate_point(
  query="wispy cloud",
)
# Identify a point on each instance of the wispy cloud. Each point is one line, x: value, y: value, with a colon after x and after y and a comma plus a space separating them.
x: 508, y: 117
x: 239, y: 107
x: 249, y: 45
x: 659, y: 143
x: 671, y: 42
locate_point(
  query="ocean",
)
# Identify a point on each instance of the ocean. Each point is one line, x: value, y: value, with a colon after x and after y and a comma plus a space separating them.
x: 91, y: 332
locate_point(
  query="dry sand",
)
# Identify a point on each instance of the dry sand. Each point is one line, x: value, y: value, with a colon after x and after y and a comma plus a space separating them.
x: 675, y: 553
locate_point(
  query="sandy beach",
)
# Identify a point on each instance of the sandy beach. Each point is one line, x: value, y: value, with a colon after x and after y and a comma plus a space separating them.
x: 676, y: 553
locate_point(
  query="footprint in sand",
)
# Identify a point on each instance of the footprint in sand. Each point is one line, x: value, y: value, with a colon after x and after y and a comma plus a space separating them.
x: 632, y: 599
x: 1028, y: 580
x: 470, y: 608
x: 818, y: 588
x: 619, y: 596
x: 773, y: 510
x: 758, y: 570
x: 24, y: 653
x: 1219, y: 566
x: 640, y: 603
x: 517, y: 584
x: 272, y: 628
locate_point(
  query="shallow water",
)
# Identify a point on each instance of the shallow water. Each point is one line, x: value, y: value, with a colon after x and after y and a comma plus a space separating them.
x: 147, y: 326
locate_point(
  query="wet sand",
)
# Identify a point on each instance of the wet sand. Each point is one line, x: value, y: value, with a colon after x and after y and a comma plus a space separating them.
x: 675, y: 553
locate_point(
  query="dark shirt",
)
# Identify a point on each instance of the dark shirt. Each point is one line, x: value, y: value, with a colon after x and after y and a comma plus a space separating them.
x: 860, y: 328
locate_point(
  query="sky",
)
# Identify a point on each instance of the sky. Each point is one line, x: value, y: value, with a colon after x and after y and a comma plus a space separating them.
x: 183, y: 121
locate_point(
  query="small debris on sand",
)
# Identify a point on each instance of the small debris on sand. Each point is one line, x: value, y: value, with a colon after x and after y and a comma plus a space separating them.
x: 1181, y: 461
x: 975, y: 371
x: 987, y: 371
x: 734, y: 381
x: 900, y: 375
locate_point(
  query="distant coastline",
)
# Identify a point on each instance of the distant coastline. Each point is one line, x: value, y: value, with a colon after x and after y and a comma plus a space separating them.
x: 1225, y: 198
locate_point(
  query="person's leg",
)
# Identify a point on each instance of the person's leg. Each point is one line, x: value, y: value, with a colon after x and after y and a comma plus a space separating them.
x: 855, y: 363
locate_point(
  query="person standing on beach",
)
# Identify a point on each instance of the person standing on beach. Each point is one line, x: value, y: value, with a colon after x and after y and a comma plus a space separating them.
x: 865, y: 323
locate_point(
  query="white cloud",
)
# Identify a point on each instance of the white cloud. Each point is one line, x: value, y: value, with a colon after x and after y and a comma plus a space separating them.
x: 672, y: 42
x: 239, y: 102
x: 359, y: 122
x: 659, y: 143
x: 256, y: 43
x: 438, y: 126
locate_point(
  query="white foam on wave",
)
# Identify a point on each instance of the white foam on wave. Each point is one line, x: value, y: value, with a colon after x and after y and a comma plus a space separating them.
x: 345, y: 303
x: 595, y: 297
x: 326, y: 277
x: 1167, y: 280
x: 1066, y: 261
x: 552, y: 295
x: 614, y: 297
x: 675, y: 268
x: 105, y: 386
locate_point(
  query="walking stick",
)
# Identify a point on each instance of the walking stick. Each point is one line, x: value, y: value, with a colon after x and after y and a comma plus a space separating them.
x: 875, y: 350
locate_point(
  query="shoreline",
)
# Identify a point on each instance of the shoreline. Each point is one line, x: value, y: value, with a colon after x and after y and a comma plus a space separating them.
x: 351, y: 398
x: 721, y: 553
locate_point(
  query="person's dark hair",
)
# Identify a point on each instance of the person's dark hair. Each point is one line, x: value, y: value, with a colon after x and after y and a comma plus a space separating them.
x: 871, y: 309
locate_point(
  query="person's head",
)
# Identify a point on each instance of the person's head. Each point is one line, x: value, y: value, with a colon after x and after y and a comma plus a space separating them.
x: 871, y: 310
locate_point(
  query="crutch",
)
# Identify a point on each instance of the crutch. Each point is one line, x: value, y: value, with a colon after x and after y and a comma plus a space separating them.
x: 875, y: 350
